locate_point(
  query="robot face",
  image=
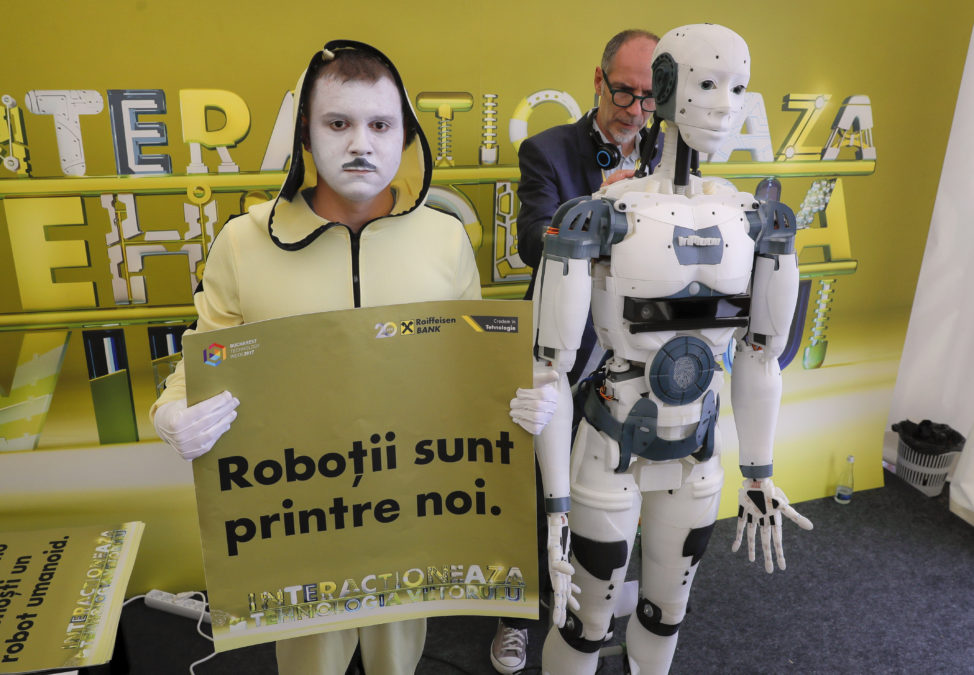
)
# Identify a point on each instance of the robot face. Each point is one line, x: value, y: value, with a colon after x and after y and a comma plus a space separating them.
x: 708, y: 105
x: 712, y: 72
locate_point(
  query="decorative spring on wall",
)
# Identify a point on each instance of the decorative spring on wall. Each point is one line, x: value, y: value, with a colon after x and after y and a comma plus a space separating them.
x: 817, y: 343
x: 444, y: 104
x: 444, y: 142
x: 488, y: 147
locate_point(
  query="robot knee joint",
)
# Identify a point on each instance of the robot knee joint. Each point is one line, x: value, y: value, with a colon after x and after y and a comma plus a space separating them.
x: 600, y: 559
x: 572, y: 633
x: 651, y: 618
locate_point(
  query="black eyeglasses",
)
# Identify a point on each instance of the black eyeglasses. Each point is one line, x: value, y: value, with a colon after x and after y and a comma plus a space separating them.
x: 624, y: 99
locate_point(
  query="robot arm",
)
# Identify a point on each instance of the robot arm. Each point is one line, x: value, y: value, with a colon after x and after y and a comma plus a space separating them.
x: 561, y: 304
x: 582, y: 229
x: 756, y: 381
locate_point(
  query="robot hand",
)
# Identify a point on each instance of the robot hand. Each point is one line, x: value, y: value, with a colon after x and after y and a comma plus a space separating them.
x: 532, y: 409
x: 560, y: 569
x: 193, y: 430
x: 761, y: 504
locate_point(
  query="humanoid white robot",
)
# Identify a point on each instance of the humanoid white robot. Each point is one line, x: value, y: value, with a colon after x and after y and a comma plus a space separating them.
x: 673, y: 267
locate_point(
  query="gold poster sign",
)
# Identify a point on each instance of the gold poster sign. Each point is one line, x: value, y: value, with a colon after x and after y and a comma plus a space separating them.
x: 373, y: 473
x: 61, y: 594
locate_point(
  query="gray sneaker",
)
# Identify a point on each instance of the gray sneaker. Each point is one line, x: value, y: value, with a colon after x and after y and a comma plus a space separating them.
x: 509, y: 649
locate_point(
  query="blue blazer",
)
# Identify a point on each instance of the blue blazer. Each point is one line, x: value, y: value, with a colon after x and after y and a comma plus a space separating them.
x: 557, y: 164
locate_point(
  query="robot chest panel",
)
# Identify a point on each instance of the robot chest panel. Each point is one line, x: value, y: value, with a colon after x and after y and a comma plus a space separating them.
x: 678, y: 246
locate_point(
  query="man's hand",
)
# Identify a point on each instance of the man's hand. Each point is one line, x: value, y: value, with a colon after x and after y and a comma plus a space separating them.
x: 621, y: 174
x: 193, y: 430
x: 559, y: 569
x: 761, y: 504
x: 532, y: 409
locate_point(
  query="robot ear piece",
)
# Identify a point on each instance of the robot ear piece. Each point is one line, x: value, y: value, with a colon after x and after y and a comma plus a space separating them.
x: 664, y: 78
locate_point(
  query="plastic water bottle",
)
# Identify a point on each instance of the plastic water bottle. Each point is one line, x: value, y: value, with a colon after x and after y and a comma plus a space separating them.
x: 843, y: 491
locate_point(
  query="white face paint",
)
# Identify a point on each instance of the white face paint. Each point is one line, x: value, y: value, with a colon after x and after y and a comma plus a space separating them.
x: 709, y: 104
x: 356, y: 134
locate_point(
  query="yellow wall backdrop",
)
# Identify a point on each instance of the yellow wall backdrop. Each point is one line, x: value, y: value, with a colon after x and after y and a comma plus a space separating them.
x: 246, y: 56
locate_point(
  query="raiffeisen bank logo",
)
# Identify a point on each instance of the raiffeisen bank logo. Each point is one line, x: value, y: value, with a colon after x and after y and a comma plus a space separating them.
x: 418, y: 326
x: 215, y: 354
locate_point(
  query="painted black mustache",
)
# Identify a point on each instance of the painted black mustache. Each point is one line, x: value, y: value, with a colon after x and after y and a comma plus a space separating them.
x: 359, y: 164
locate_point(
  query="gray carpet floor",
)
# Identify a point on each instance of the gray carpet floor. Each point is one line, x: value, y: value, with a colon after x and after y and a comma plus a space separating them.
x: 884, y: 584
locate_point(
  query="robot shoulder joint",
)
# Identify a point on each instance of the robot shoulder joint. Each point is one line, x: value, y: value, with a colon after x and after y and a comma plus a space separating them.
x: 585, y: 228
x: 773, y: 227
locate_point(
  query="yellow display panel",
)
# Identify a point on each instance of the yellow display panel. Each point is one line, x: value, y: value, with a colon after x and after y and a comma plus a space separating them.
x: 130, y: 132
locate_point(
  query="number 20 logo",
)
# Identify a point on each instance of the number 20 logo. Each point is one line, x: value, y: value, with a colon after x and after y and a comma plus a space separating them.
x: 385, y: 330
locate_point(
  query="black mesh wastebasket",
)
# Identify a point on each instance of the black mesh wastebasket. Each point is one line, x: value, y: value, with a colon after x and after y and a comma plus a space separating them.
x: 925, y: 454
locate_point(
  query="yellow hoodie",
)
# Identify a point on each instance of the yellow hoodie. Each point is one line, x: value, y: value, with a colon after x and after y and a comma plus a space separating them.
x: 281, y: 259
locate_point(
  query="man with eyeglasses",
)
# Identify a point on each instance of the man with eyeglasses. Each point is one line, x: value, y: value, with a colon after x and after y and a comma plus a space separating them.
x: 572, y: 160
x: 560, y: 164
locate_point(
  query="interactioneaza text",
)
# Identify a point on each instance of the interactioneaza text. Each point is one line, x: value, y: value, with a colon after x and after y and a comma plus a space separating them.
x: 327, y: 598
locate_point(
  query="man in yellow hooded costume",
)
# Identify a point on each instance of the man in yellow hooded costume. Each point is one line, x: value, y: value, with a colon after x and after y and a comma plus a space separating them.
x: 348, y: 229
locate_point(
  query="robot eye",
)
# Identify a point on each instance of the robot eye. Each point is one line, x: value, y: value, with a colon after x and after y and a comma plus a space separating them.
x: 708, y: 84
x: 739, y: 89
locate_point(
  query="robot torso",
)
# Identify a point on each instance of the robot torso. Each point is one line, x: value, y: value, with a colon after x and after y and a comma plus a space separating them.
x: 666, y: 302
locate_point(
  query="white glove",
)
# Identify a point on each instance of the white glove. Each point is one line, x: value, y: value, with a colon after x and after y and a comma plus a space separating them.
x: 193, y: 430
x: 532, y: 409
x: 761, y: 504
x: 559, y: 569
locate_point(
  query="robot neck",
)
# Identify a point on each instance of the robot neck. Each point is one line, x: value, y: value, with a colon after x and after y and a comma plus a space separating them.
x: 676, y: 160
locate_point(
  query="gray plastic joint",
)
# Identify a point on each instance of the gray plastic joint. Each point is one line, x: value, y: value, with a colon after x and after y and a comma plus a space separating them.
x: 757, y: 472
x: 557, y: 504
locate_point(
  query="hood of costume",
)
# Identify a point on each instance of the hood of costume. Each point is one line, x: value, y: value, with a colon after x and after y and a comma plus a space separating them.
x: 291, y: 225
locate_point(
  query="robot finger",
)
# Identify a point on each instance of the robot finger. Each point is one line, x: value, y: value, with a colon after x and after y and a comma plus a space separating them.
x: 751, y: 530
x: 561, y: 598
x: 573, y: 603
x: 562, y: 567
x: 796, y: 517
x: 558, y: 614
x: 779, y: 548
x: 766, y: 548
x: 739, y: 537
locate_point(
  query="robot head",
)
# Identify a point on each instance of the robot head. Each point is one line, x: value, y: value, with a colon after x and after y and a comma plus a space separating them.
x: 700, y: 75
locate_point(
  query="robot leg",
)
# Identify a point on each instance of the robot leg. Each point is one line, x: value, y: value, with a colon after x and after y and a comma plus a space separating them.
x: 603, y: 519
x: 676, y: 528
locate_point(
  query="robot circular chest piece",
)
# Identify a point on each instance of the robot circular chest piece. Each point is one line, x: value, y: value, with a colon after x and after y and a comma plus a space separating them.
x: 682, y: 370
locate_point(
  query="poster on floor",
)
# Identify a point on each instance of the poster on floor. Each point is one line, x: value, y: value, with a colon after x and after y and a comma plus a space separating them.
x: 61, y: 595
x: 373, y: 473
